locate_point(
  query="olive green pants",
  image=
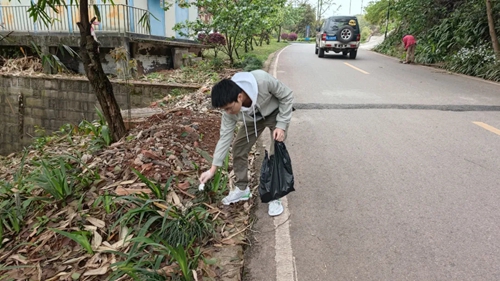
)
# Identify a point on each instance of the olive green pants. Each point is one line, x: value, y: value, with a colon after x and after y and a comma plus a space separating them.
x: 242, y: 147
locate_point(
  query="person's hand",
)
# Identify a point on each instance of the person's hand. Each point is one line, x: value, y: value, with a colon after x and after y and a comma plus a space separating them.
x: 279, y: 134
x: 205, y: 176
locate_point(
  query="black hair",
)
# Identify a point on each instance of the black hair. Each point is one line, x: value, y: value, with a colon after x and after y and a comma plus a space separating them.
x: 226, y: 91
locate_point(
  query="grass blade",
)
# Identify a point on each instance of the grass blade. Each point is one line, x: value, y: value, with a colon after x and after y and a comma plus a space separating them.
x: 79, y: 237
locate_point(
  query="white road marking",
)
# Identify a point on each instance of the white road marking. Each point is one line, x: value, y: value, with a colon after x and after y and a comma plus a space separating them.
x: 284, y: 258
x: 285, y: 261
x: 275, y: 64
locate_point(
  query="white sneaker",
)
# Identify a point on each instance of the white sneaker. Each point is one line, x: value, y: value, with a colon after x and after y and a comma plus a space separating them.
x: 237, y: 195
x: 275, y: 208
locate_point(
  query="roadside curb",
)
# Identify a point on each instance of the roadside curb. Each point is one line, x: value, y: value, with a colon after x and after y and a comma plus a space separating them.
x: 441, y: 69
x: 231, y: 260
x: 259, y: 149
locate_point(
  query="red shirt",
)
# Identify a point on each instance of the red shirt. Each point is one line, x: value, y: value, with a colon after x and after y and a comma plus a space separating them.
x: 409, y: 40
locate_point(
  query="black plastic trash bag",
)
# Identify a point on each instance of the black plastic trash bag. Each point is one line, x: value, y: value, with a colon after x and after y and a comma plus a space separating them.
x: 276, y: 175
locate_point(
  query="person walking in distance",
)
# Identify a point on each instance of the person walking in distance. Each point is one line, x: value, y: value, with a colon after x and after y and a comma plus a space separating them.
x: 409, y: 43
x: 260, y: 101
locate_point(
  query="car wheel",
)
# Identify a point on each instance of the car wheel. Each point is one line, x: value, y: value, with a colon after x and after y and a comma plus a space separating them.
x: 346, y: 34
x: 344, y: 53
x: 321, y: 52
x: 316, y: 50
x: 352, y: 54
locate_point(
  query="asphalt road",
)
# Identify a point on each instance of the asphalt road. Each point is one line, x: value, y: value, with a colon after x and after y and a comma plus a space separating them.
x: 397, y: 173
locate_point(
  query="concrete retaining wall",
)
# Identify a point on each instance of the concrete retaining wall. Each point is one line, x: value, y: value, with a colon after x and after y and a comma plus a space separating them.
x: 49, y: 103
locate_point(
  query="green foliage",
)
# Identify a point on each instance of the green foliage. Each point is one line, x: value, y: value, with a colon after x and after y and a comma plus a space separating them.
x: 221, y: 178
x: 365, y: 27
x: 218, y: 183
x: 237, y: 21
x: 14, y: 202
x: 53, y: 60
x: 61, y: 176
x: 217, y: 64
x: 304, y: 15
x: 160, y: 193
x: 176, y: 227
x: 149, y: 267
x: 81, y: 237
x: 376, y: 12
x: 125, y: 68
x: 106, y: 201
x: 365, y: 33
x: 101, y: 135
x: 491, y: 72
x: 473, y: 61
x: 249, y: 63
x: 54, y: 179
x: 199, y: 72
x: 185, y: 227
x: 451, y: 34
x: 41, y: 138
x: 163, y: 235
x: 186, y: 263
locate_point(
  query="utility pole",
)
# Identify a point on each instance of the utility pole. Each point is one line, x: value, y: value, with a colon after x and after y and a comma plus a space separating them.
x: 317, y: 14
x: 361, y: 11
x: 350, y: 2
x: 320, y: 4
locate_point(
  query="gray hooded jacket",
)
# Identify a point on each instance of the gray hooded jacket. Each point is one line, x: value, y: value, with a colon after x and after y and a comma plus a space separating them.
x: 267, y: 95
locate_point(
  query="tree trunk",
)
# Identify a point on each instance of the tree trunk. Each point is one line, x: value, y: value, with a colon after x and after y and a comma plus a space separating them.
x: 97, y: 78
x: 237, y: 55
x: 279, y: 34
x: 229, y: 48
x: 493, y: 35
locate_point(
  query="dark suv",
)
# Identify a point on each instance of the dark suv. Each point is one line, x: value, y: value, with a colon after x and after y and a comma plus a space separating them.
x: 338, y: 34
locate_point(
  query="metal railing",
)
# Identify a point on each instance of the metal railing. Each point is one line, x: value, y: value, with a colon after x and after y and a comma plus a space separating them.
x: 114, y: 19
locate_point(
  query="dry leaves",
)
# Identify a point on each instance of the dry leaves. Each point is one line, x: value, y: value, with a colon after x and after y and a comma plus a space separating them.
x: 170, y: 143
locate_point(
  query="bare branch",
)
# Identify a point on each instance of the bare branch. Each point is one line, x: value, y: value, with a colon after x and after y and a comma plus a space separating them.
x: 3, y: 37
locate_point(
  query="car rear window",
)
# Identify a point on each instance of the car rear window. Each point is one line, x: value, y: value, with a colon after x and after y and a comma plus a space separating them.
x: 335, y: 23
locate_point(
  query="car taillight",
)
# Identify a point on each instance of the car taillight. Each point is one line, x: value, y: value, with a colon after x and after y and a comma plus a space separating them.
x: 358, y: 38
x: 323, y: 37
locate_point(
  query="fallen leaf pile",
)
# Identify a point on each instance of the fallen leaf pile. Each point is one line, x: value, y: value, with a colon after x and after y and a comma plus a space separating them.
x: 176, y: 141
x: 197, y: 74
x: 26, y: 65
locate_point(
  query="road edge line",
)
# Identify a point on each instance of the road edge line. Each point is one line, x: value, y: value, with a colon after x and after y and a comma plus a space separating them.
x: 285, y: 265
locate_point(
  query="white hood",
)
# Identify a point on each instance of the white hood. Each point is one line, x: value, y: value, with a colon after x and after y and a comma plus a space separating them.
x: 247, y: 82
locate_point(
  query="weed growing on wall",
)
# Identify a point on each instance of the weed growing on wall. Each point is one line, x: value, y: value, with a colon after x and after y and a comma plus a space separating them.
x: 125, y: 68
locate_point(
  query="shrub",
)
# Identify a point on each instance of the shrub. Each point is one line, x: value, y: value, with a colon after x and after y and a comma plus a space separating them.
x: 284, y: 36
x: 365, y: 33
x: 251, y: 63
x: 491, y: 72
x: 215, y: 39
x: 471, y: 61
x: 202, y: 37
x: 292, y: 36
